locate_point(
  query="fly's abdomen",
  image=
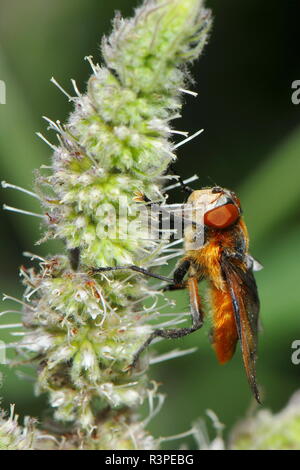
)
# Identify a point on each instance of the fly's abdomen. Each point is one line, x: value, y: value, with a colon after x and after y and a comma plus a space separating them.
x: 225, y: 334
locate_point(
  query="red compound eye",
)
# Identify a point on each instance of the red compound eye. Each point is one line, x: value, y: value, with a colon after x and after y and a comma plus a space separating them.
x: 222, y: 216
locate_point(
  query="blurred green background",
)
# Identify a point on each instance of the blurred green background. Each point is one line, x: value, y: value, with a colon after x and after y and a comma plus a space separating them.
x: 251, y: 144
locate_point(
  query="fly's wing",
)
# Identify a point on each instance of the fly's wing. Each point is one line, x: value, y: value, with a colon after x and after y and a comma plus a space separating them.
x: 242, y: 287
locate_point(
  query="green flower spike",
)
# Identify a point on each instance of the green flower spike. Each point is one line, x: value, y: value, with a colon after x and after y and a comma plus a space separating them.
x: 13, y: 436
x: 267, y: 431
x: 82, y: 328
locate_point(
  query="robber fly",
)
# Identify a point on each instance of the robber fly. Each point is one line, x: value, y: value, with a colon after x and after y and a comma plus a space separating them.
x: 224, y: 261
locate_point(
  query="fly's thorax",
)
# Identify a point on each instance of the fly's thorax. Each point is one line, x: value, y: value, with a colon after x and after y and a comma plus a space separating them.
x: 206, y: 263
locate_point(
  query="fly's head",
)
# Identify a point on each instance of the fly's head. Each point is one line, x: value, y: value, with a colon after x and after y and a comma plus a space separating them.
x: 219, y: 208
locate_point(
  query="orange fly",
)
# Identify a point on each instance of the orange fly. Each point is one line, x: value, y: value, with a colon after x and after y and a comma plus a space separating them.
x: 222, y: 258
x: 225, y: 262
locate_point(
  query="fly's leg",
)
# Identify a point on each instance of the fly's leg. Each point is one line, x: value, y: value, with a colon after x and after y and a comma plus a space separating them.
x: 132, y: 267
x: 184, y: 187
x: 171, y: 287
x: 173, y: 333
x: 175, y: 283
x: 181, y: 271
x: 178, y: 276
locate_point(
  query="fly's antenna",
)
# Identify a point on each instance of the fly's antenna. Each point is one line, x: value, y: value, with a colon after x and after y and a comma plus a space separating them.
x: 212, y: 181
x: 184, y: 187
x: 181, y: 183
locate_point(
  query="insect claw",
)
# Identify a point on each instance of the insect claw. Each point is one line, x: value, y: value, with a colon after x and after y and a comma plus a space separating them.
x: 139, y: 197
x: 128, y: 368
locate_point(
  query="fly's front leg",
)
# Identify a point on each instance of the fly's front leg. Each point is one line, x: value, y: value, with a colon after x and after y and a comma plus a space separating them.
x: 175, y: 283
x: 183, y: 186
x: 178, y: 276
x: 171, y: 287
x: 181, y: 271
x: 132, y: 267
